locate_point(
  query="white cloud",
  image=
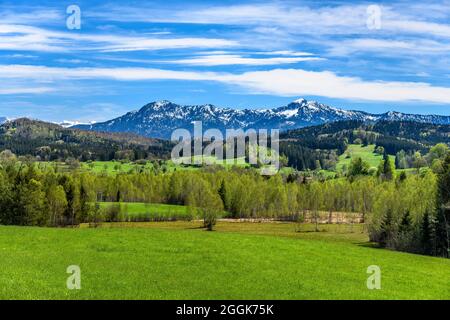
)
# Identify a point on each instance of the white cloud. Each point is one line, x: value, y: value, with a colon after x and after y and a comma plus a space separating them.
x: 272, y: 14
x: 418, y: 27
x: 25, y: 90
x: 291, y: 82
x: 389, y: 47
x: 423, y: 29
x: 43, y: 73
x: 29, y: 38
x: 230, y: 59
x: 12, y: 15
x: 67, y: 109
x: 281, y: 82
x: 287, y: 53
x: 140, y: 43
x: 292, y: 17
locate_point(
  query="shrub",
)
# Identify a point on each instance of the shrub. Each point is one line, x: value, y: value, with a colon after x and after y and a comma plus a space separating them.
x: 209, y: 219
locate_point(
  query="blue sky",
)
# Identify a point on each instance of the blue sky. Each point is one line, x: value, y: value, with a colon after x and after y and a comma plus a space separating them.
x: 373, y: 56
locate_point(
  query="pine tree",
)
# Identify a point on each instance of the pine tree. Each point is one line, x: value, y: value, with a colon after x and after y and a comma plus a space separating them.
x: 85, y: 205
x: 388, y: 173
x: 442, y: 227
x: 386, y: 228
x: 223, y: 194
x: 405, y: 224
x: 442, y: 232
x: 426, y: 235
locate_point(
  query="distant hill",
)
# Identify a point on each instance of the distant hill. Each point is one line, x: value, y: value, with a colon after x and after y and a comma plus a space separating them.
x: 3, y: 120
x: 160, y: 119
x: 306, y: 148
x: 50, y: 141
x: 422, y: 135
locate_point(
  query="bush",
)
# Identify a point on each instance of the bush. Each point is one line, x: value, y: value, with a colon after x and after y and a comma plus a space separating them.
x: 209, y: 219
x: 112, y: 213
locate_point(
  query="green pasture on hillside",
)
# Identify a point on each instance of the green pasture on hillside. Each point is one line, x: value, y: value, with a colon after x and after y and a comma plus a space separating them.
x: 180, y: 260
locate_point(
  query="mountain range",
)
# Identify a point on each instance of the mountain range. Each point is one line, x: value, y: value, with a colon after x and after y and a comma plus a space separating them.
x: 159, y: 119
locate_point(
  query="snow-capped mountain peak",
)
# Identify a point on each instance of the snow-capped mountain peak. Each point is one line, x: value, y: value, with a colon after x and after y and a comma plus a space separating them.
x: 3, y: 120
x: 160, y: 118
x: 299, y: 101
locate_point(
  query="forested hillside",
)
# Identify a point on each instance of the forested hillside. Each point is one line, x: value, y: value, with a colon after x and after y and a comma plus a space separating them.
x: 48, y: 142
x: 311, y: 148
x: 320, y: 146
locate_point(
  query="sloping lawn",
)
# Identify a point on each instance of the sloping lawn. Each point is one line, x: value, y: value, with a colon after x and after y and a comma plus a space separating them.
x: 182, y: 261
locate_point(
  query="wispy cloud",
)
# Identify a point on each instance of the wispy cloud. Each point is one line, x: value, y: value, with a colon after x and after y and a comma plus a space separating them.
x: 25, y: 90
x: 229, y: 59
x: 389, y: 47
x: 280, y: 24
x: 67, y: 110
x: 30, y: 15
x: 281, y: 82
x: 292, y: 17
x: 291, y: 82
x: 321, y: 43
x: 30, y: 38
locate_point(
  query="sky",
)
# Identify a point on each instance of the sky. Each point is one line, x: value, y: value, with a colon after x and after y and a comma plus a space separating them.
x: 96, y: 60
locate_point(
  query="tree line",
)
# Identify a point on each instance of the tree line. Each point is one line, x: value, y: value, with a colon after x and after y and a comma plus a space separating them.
x: 404, y: 212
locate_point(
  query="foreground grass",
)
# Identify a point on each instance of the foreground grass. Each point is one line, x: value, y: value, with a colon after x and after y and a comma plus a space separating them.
x: 238, y: 261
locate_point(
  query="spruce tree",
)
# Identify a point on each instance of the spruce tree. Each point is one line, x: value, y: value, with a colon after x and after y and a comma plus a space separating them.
x: 442, y: 228
x: 223, y: 194
x: 426, y: 234
x: 405, y: 224
x: 442, y: 232
x: 388, y: 173
x: 386, y: 228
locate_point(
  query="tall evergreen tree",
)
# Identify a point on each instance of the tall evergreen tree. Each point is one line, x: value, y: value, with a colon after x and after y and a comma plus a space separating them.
x: 223, y: 194
x: 405, y: 224
x: 442, y: 227
x: 388, y: 173
x: 426, y: 234
x: 387, y: 226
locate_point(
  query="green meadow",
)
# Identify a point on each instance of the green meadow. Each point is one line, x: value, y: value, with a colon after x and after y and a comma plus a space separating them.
x: 158, y: 211
x: 366, y: 153
x: 113, y: 167
x: 180, y: 260
x: 137, y: 208
x: 118, y: 167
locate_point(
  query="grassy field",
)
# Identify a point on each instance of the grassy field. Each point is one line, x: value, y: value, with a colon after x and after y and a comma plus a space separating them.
x: 113, y: 167
x: 136, y: 208
x: 179, y: 260
x: 108, y: 167
x: 151, y: 210
x: 116, y: 167
x: 365, y: 153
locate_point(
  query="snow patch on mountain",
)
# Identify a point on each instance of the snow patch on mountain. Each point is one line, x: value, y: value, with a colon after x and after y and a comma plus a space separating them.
x: 160, y: 118
x: 70, y: 123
